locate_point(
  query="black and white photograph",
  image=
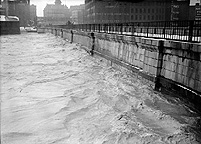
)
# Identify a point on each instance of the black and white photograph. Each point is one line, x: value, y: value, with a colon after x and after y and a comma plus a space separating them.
x: 100, y: 71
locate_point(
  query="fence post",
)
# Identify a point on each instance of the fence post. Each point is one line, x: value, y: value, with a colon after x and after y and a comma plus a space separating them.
x: 62, y: 33
x: 190, y: 35
x: 164, y: 30
x: 93, y: 44
x: 99, y: 26
x: 55, y: 32
x: 148, y: 30
x: 104, y: 29
x: 121, y: 29
x: 133, y: 29
x: 159, y: 65
x: 71, y: 36
x: 93, y: 28
x: 90, y: 25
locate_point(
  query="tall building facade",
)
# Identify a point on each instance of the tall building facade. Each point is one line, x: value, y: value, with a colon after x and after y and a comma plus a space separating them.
x: 150, y: 10
x: 195, y: 12
x: 19, y: 8
x: 107, y: 11
x: 198, y: 11
x: 33, y: 16
x: 82, y: 16
x: 121, y: 11
x: 180, y: 9
x: 77, y: 14
x: 56, y: 14
x: 2, y: 10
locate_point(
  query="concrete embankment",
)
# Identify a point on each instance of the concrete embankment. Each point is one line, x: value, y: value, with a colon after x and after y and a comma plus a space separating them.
x: 169, y: 66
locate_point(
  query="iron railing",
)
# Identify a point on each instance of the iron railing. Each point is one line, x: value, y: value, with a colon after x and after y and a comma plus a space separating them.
x: 174, y: 30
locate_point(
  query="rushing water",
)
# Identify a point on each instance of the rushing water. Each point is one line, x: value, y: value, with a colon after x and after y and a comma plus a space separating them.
x: 53, y: 92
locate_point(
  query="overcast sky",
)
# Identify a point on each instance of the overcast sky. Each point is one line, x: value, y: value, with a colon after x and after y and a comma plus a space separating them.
x: 40, y: 4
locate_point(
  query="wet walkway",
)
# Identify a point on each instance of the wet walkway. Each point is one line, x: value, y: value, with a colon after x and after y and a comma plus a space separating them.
x: 53, y: 92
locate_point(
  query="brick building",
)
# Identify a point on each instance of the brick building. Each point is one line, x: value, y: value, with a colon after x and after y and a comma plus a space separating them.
x: 56, y: 14
x: 121, y: 11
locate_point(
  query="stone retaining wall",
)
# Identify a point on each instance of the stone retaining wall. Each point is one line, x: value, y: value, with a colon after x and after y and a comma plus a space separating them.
x: 171, y: 65
x: 182, y: 64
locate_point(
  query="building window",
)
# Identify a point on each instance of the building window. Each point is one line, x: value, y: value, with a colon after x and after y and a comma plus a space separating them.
x: 131, y: 17
x: 140, y: 10
x: 132, y: 10
x: 148, y: 17
x: 136, y: 17
x: 140, y: 17
x: 152, y: 10
x: 152, y: 17
x: 148, y: 10
x: 136, y: 10
x: 144, y: 10
x: 125, y: 18
x: 144, y: 17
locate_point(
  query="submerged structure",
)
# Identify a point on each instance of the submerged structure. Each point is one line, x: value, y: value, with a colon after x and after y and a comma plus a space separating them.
x: 19, y: 8
x: 9, y: 24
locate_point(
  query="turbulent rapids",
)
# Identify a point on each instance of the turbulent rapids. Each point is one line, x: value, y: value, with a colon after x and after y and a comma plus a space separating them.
x: 54, y: 92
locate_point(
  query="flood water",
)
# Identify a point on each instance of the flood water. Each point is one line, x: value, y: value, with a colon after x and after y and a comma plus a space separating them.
x: 54, y: 92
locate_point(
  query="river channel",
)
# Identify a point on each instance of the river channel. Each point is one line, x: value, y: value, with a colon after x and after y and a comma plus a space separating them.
x: 54, y: 92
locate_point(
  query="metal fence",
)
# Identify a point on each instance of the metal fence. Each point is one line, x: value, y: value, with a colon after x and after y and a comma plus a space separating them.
x: 174, y: 30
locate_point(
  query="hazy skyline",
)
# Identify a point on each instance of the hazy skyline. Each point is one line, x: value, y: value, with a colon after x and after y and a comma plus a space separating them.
x: 40, y: 4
